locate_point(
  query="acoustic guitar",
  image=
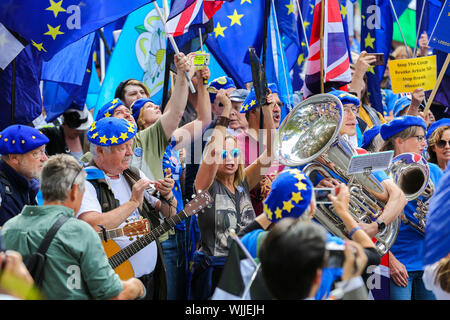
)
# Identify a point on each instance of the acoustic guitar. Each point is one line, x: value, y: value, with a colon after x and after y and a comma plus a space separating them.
x: 118, y: 258
x: 131, y: 229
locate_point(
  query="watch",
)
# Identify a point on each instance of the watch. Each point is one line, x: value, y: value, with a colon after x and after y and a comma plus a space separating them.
x: 381, y: 225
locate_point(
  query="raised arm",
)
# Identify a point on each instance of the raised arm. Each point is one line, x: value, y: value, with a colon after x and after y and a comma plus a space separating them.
x: 177, y: 102
x: 208, y: 168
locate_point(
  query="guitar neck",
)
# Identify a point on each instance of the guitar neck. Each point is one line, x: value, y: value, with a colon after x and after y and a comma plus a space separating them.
x: 130, y: 250
x: 112, y: 233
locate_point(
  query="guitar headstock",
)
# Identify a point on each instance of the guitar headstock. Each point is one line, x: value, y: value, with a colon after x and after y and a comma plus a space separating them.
x: 135, y: 228
x: 199, y: 202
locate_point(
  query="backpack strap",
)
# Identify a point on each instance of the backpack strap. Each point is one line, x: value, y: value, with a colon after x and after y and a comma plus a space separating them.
x: 51, y: 234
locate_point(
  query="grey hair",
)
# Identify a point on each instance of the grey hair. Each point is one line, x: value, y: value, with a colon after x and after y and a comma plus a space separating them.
x: 93, y: 150
x: 389, y: 144
x: 60, y: 173
x: 376, y: 144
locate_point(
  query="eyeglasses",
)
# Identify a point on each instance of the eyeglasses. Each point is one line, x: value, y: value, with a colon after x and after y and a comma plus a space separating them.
x: 419, y: 138
x: 75, y: 177
x: 234, y: 153
x: 37, y: 154
x: 353, y: 109
x: 443, y: 143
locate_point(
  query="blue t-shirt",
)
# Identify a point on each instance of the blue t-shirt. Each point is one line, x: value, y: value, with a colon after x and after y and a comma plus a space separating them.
x: 409, y: 245
x: 171, y: 159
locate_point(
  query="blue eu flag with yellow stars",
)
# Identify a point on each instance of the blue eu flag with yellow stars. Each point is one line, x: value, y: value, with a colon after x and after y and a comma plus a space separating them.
x: 237, y: 26
x: 50, y: 25
x: 376, y: 37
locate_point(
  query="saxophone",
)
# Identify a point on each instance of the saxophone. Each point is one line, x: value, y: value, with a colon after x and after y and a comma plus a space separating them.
x: 310, y: 134
x: 411, y: 173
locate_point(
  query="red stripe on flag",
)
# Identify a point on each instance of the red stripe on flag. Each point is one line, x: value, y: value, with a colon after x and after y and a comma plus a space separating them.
x: 334, y: 13
x: 338, y: 70
x: 185, y: 16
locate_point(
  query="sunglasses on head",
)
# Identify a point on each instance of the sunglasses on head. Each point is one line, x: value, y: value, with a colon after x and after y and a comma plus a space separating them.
x: 443, y: 143
x: 234, y: 153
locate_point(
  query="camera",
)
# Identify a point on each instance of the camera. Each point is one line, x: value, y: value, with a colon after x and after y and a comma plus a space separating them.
x: 321, y: 195
x: 201, y: 60
x: 379, y: 59
x: 336, y: 254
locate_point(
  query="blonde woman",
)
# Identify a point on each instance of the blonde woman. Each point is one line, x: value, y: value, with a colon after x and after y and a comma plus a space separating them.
x: 438, y: 137
x: 222, y: 173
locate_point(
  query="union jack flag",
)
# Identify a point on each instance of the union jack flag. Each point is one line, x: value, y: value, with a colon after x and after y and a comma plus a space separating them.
x: 335, y: 52
x: 189, y: 13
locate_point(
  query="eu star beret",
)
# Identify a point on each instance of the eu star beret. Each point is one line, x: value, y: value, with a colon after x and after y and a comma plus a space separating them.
x: 108, y: 109
x: 345, y: 97
x: 368, y: 136
x: 290, y: 195
x: 250, y: 101
x: 220, y: 83
x: 137, y: 106
x: 400, y: 105
x: 111, y: 131
x: 20, y: 139
x: 399, y: 124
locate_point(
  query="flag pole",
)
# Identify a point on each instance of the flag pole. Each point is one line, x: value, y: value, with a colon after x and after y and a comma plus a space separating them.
x: 438, y: 83
x: 418, y: 28
x: 303, y: 26
x: 400, y: 28
x: 322, y: 10
x: 174, y: 44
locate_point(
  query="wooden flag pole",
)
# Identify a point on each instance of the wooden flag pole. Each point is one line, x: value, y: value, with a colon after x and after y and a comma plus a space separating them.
x: 438, y: 83
x: 322, y: 10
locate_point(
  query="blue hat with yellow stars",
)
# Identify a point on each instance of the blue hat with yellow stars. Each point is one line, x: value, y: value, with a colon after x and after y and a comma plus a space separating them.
x: 137, y: 106
x: 369, y: 134
x: 108, y: 109
x: 399, y: 124
x: 290, y: 195
x: 223, y: 82
x: 400, y: 105
x: 440, y: 123
x: 111, y: 131
x: 345, y: 97
x: 250, y: 102
x: 20, y: 139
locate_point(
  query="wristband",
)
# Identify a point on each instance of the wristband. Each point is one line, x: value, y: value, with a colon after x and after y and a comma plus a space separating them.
x: 353, y: 231
x: 222, y: 121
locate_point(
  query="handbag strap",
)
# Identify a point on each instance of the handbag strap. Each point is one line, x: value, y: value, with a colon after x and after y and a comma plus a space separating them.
x: 51, y: 234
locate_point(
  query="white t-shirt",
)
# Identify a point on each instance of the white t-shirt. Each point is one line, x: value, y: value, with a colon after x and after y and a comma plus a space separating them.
x: 144, y: 261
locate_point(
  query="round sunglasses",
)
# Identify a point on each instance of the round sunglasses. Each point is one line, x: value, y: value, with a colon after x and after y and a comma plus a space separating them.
x: 234, y: 153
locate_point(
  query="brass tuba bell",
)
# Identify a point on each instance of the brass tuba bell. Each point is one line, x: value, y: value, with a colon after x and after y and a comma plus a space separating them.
x: 310, y: 135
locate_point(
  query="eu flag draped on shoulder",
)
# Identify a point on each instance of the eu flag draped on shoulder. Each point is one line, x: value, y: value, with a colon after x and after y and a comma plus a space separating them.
x: 237, y: 27
x: 336, y: 63
x: 376, y: 37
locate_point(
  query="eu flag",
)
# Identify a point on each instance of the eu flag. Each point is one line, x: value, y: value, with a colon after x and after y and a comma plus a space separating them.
x: 50, y: 25
x: 237, y: 26
x: 376, y: 36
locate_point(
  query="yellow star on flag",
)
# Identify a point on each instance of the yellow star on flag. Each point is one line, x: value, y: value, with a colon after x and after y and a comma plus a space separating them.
x: 368, y: 41
x: 278, y: 214
x: 300, y: 186
x: 235, y: 18
x: 297, y: 197
x: 113, y: 139
x: 249, y: 1
x: 287, y: 205
x: 371, y: 70
x: 53, y: 32
x: 290, y: 7
x: 300, y: 59
x: 343, y: 11
x: 123, y: 136
x: 306, y: 24
x: 39, y: 46
x: 218, y: 30
x: 103, y: 139
x: 55, y: 7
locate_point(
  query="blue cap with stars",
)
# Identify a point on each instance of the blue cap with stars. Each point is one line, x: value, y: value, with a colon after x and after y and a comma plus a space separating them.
x: 108, y: 109
x: 345, y: 97
x: 400, y: 105
x: 290, y: 195
x: 250, y: 102
x: 220, y: 83
x: 111, y: 131
x: 20, y: 139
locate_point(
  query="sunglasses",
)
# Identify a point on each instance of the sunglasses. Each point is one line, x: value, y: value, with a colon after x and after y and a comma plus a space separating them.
x: 234, y: 153
x: 443, y: 143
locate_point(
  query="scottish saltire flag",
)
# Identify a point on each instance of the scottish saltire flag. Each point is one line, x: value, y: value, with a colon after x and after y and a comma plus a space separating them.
x: 189, y: 13
x: 139, y: 53
x: 66, y: 77
x: 20, y: 97
x: 376, y: 36
x: 10, y: 47
x: 50, y: 25
x: 237, y: 26
x: 336, y: 64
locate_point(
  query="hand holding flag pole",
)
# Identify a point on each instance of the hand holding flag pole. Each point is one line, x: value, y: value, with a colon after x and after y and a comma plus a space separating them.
x: 174, y: 45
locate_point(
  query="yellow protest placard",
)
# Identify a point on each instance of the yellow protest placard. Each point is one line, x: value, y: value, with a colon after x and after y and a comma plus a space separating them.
x: 410, y: 74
